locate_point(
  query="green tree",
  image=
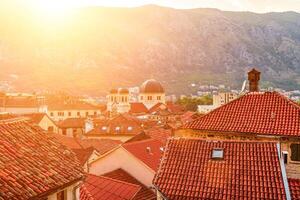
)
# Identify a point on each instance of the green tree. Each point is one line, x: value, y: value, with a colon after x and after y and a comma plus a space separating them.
x: 191, y: 104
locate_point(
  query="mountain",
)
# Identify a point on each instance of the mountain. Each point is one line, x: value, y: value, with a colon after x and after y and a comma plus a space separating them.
x: 100, y: 48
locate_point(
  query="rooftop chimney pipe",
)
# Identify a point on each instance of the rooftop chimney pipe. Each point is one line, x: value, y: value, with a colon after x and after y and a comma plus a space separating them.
x: 253, y: 77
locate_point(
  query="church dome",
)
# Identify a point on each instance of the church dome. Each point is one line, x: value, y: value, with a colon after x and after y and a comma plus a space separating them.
x: 151, y: 86
x: 123, y: 91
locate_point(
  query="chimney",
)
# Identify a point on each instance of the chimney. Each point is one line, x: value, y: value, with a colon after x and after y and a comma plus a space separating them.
x: 148, y: 149
x: 253, y: 77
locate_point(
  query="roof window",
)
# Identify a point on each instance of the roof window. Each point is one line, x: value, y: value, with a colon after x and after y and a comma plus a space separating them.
x: 217, y: 153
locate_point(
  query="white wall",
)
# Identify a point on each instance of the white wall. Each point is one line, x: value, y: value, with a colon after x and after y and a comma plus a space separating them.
x: 120, y: 158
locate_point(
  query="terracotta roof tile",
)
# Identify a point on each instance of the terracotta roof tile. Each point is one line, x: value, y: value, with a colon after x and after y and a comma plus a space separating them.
x: 72, y: 123
x: 294, y: 185
x: 83, y: 154
x: 139, y: 149
x: 249, y: 170
x: 31, y: 163
x: 122, y: 124
x: 259, y: 112
x: 101, y: 145
x: 144, y: 194
x: 137, y: 108
x: 103, y: 188
x: 159, y: 133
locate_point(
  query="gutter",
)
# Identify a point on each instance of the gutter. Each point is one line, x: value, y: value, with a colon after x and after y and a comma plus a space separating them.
x: 162, y: 194
x: 283, y: 173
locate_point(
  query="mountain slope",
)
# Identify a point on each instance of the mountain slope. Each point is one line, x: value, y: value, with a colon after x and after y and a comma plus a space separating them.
x: 102, y: 48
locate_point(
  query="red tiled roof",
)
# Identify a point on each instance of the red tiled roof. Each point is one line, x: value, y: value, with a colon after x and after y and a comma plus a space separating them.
x: 139, y: 150
x: 175, y: 108
x: 188, y: 117
x: 74, y: 106
x: 144, y: 194
x: 35, y: 117
x: 32, y: 164
x: 72, y: 123
x: 83, y: 154
x: 159, y: 133
x: 127, y: 126
x: 20, y: 102
x: 249, y: 170
x: 137, y: 108
x: 103, y: 188
x: 157, y: 107
x: 294, y: 185
x: 266, y: 113
x: 100, y: 145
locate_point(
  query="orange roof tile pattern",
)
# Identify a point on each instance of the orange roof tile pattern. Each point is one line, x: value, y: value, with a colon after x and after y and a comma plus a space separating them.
x: 144, y: 194
x: 138, y: 108
x: 248, y: 170
x: 31, y: 163
x: 294, y: 185
x: 103, y: 188
x: 100, y: 145
x: 150, y: 157
x: 120, y: 125
x: 266, y: 113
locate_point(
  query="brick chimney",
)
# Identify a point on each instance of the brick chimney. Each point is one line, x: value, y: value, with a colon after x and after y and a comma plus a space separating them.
x: 253, y: 77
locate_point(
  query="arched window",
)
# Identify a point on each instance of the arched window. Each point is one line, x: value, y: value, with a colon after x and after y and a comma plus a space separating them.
x: 159, y: 98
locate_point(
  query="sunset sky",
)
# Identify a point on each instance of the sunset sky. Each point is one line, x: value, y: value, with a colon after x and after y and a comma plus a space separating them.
x: 260, y: 6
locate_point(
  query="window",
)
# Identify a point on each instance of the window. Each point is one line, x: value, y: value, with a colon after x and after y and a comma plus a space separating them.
x: 64, y: 131
x: 86, y: 114
x: 78, y: 114
x: 70, y: 114
x: 95, y: 113
x: 61, y: 113
x: 142, y: 98
x: 217, y: 153
x: 104, y: 128
x: 295, y: 151
x: 51, y: 114
x: 129, y: 128
x: 62, y: 195
x: 159, y: 98
x: 285, y: 157
x: 118, y: 128
x: 149, y: 98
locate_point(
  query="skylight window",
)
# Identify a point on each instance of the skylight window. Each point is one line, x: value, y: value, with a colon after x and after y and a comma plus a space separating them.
x: 217, y: 153
x: 118, y: 128
x: 104, y: 128
x: 129, y: 128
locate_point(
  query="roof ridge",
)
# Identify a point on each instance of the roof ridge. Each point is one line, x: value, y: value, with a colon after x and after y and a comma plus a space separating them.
x: 140, y: 141
x: 115, y: 180
x: 13, y: 120
x: 221, y: 140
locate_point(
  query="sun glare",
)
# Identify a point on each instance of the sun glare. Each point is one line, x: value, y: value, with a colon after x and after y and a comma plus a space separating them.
x: 53, y: 10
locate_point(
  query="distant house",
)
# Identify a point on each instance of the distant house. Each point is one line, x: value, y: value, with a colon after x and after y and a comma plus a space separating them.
x: 22, y: 103
x: 75, y: 110
x: 123, y: 127
x: 207, y: 169
x: 86, y: 156
x: 72, y: 127
x: 34, y: 166
x: 43, y: 121
x: 140, y: 159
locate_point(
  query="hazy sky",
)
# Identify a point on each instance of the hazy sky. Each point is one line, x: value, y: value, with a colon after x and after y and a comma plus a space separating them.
x: 235, y: 5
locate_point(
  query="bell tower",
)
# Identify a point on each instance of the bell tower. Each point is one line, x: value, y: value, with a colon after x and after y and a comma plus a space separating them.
x: 253, y: 77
